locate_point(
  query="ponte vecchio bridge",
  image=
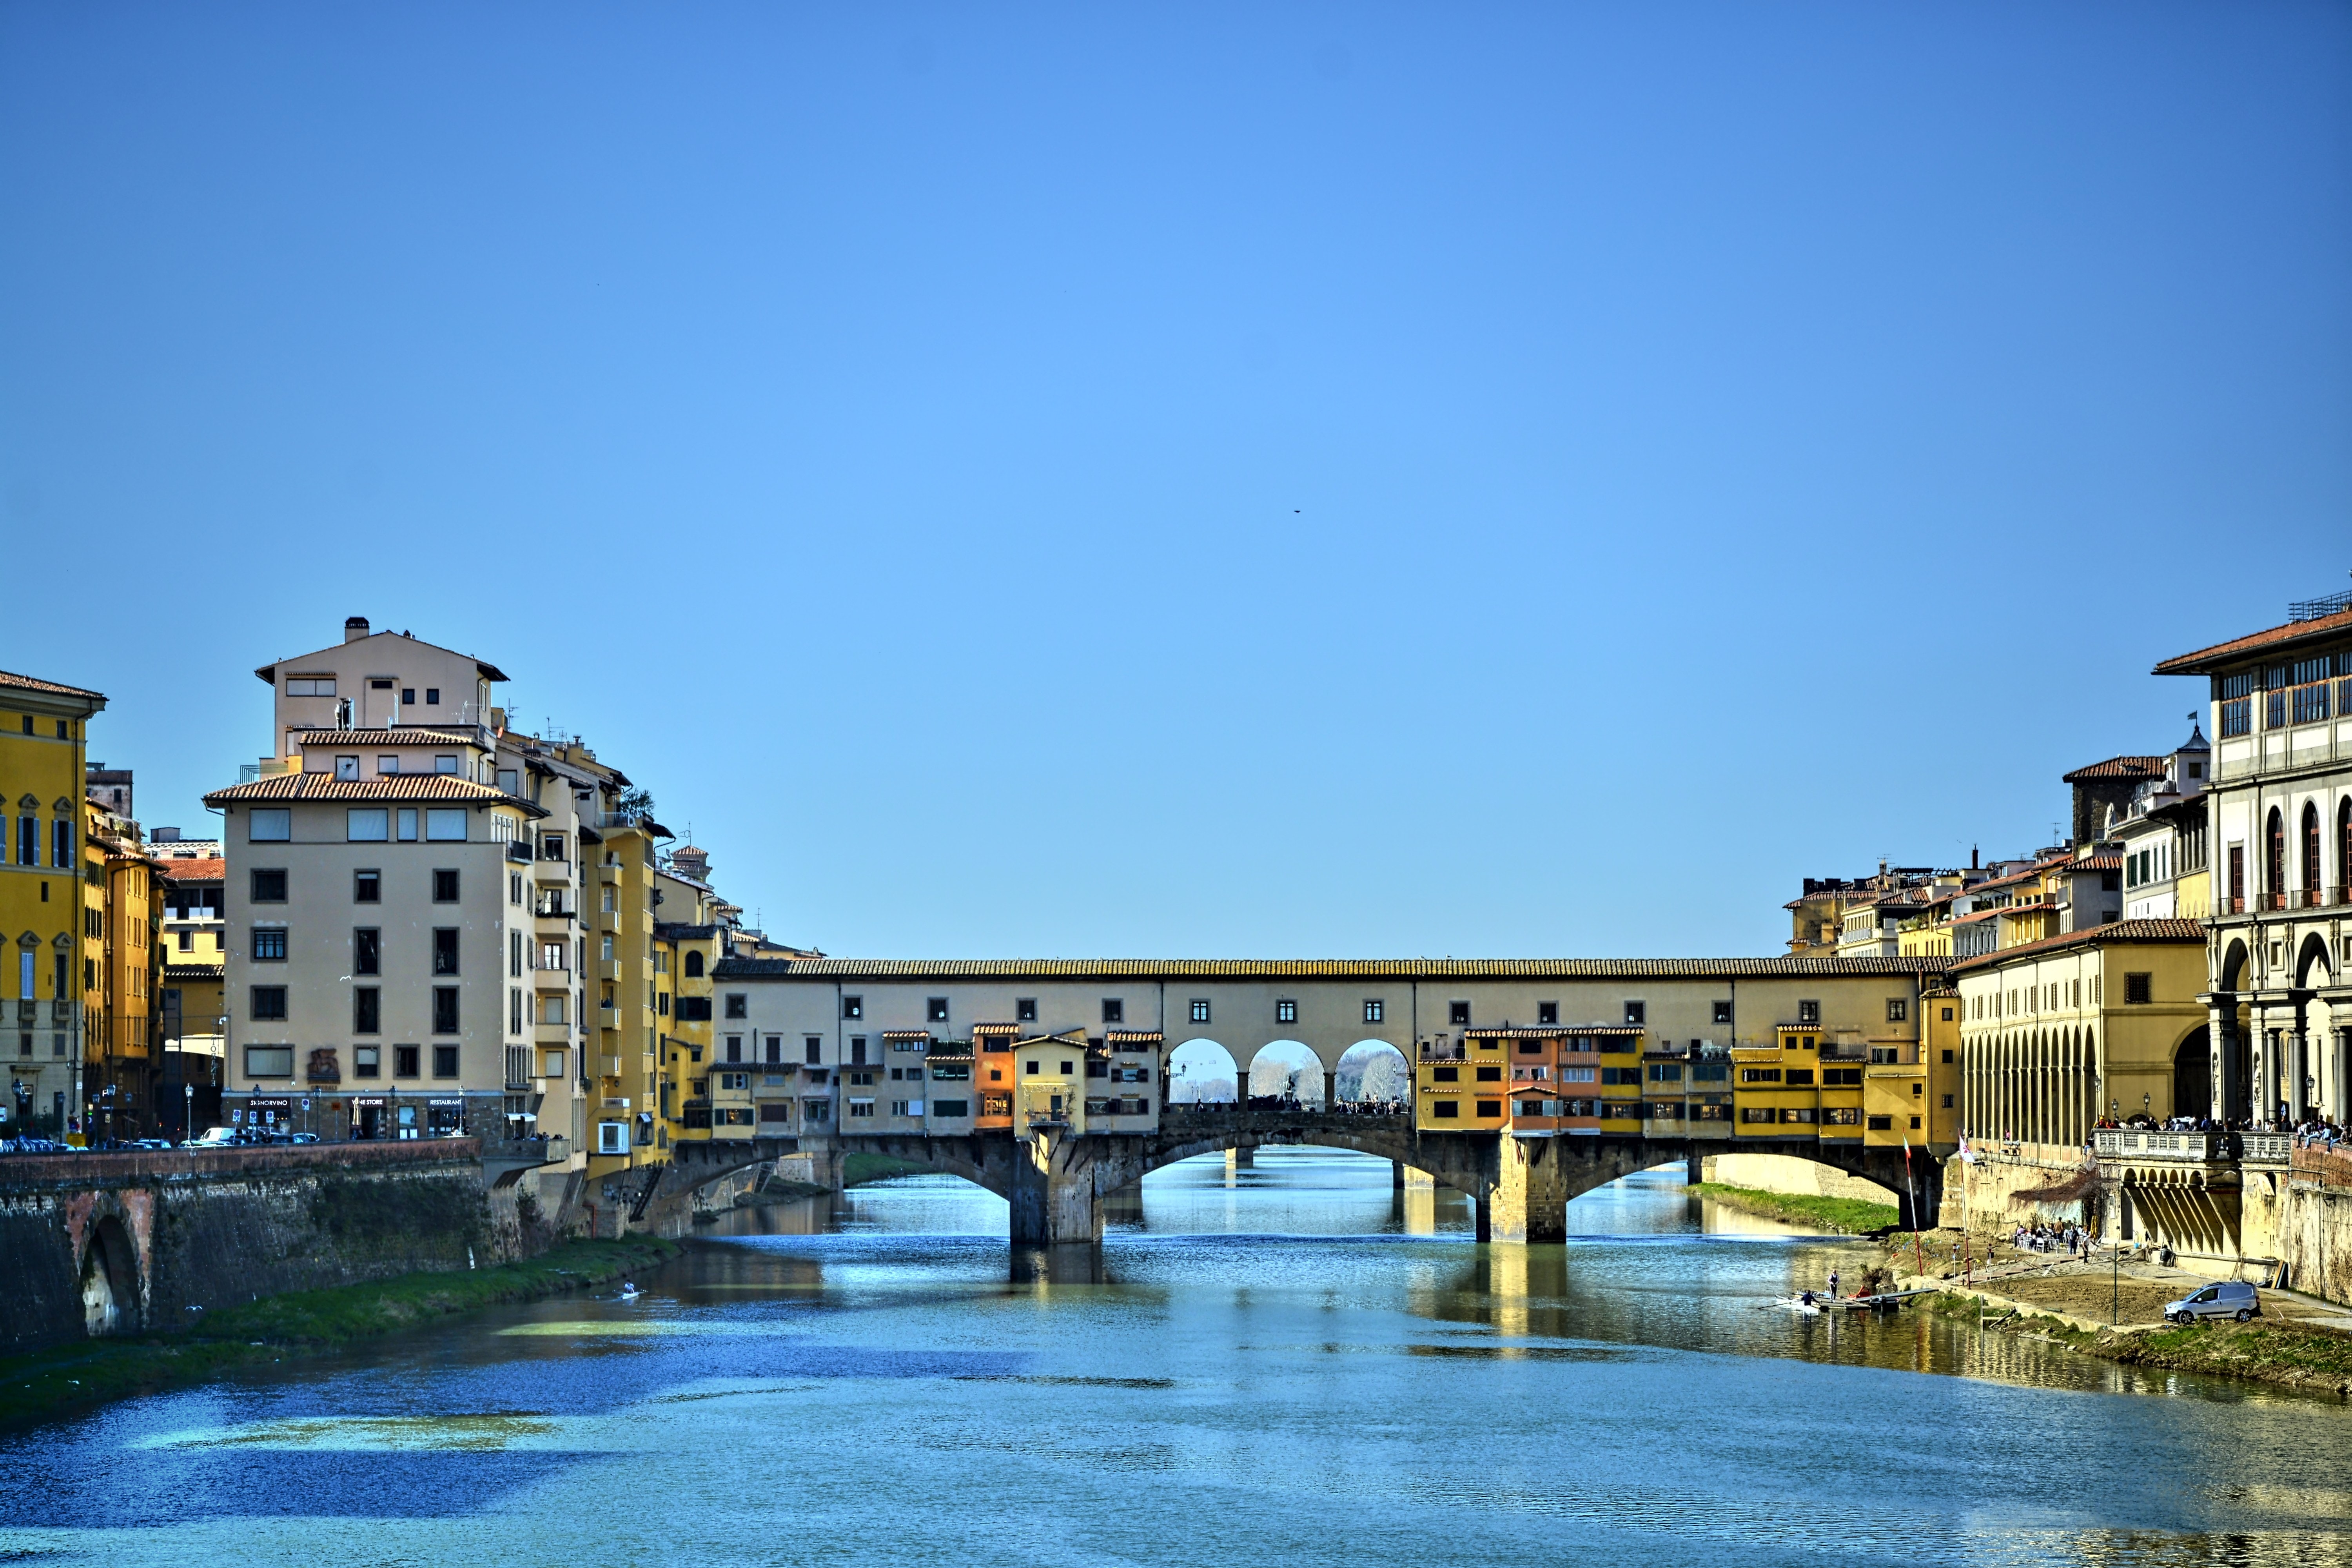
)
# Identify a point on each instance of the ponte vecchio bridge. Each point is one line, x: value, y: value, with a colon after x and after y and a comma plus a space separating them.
x: 1533, y: 1080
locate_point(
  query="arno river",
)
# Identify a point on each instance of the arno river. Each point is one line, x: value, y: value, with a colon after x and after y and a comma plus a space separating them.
x: 1292, y: 1368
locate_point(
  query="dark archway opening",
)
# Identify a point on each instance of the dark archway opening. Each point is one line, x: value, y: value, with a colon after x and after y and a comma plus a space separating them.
x: 2192, y: 1076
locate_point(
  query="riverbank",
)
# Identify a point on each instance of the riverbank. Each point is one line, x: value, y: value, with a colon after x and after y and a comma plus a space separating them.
x: 1840, y: 1217
x: 67, y: 1378
x: 2068, y: 1311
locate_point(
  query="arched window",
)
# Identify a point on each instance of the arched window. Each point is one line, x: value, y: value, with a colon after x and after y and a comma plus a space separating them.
x: 2274, y: 856
x: 693, y: 965
x: 2311, y: 860
x: 2343, y: 849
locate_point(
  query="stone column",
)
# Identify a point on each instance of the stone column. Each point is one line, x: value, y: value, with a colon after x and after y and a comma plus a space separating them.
x: 2222, y: 1040
x: 1241, y: 1157
x: 1330, y: 1089
x: 1396, y: 1175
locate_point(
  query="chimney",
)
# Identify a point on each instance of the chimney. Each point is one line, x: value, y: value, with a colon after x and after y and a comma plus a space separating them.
x: 354, y: 628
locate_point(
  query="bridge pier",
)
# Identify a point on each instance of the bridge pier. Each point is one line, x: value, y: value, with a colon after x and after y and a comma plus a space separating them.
x: 1053, y: 1198
x: 1241, y: 1157
x: 1396, y: 1175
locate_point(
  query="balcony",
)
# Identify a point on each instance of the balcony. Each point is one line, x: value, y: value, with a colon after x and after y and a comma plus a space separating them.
x: 2266, y: 1147
x: 608, y: 1067
x: 519, y: 851
x: 608, y: 874
x: 608, y: 969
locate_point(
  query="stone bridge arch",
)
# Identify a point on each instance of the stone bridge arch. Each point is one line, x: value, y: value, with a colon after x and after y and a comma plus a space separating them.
x: 110, y: 1261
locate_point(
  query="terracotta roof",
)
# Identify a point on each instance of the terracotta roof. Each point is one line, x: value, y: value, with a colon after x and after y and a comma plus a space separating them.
x: 406, y: 735
x: 1976, y: 915
x: 2206, y: 659
x: 199, y: 972
x: 977, y: 1029
x: 1132, y: 1036
x: 26, y: 683
x: 2095, y: 863
x: 1146, y: 969
x: 905, y: 1034
x: 211, y: 871
x: 2177, y: 931
x: 2117, y: 768
x: 403, y: 786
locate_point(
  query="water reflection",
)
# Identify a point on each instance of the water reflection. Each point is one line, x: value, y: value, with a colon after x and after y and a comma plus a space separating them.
x: 1279, y: 1362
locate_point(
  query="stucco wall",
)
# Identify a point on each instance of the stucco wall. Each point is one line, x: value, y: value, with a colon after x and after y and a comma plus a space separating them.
x: 1786, y: 1174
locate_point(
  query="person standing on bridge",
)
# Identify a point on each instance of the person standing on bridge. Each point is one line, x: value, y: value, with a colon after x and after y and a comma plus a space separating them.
x: 1833, y: 1284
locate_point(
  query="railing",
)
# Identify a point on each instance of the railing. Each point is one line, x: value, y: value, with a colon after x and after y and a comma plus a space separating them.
x: 1444, y: 1054
x: 2266, y: 1147
x: 545, y: 1149
x: 2145, y: 1143
x: 519, y: 851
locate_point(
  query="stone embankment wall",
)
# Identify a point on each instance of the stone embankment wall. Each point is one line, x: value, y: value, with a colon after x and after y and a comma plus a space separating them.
x: 2001, y: 1190
x: 1786, y: 1174
x: 2300, y: 1219
x: 107, y: 1243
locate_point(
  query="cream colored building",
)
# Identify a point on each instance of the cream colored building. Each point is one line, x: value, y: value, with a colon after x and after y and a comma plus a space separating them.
x: 2280, y: 822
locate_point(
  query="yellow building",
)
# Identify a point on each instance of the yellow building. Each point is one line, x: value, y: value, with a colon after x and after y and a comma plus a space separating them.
x: 688, y: 943
x: 121, y: 968
x: 1465, y: 1087
x: 2098, y: 1022
x: 43, y: 735
x: 191, y: 1011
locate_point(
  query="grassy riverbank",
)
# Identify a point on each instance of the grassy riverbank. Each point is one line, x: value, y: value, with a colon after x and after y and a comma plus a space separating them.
x: 51, y: 1382
x: 1844, y: 1216
x: 856, y: 1170
x: 2301, y: 1356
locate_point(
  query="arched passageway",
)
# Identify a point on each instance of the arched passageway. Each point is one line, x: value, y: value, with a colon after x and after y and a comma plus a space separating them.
x: 1201, y: 1071
x: 1286, y: 1070
x: 109, y: 1279
x: 2192, y: 1074
x: 1373, y: 1070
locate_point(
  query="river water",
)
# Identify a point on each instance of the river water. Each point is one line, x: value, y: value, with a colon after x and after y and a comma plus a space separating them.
x: 1282, y: 1366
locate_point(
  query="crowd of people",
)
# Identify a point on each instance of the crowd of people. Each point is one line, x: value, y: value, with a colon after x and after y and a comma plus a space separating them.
x: 2041, y: 1237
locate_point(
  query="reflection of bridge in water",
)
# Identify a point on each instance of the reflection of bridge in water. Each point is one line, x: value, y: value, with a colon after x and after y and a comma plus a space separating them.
x: 1056, y: 1182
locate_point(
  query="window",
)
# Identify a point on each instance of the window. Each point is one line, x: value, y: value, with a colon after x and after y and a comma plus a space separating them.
x: 1799, y: 1078
x: 445, y: 949
x: 551, y: 847
x: 1547, y: 1012
x: 445, y: 826
x: 1490, y: 1108
x: 1840, y: 1077
x: 268, y: 885
x: 365, y: 1016
x: 270, y: 1061
x: 310, y: 686
x: 445, y: 1010
x: 269, y: 944
x: 367, y: 887
x: 1948, y: 1019
x: 853, y: 1006
x: 408, y: 696
x: 432, y: 696
x: 269, y: 1004
x: 1809, y: 1012
x: 815, y: 1047
x: 405, y: 825
x: 1445, y: 1075
x: 1114, y: 1010
x: 1373, y: 1010
x: 1759, y: 1075
x: 387, y: 767
x: 1491, y: 1074
x: 445, y: 886
x: 1636, y: 1014
x: 1445, y: 1110
x: 2140, y: 989
x: 1285, y: 1012
x: 444, y: 1061
x: 738, y: 1004
x: 1723, y: 1012
x: 1457, y: 1014
x: 62, y: 838
x: 1200, y: 1009
x: 405, y: 1061
x: 1665, y: 1072
x: 735, y: 1048
x: 1899, y: 1009
x: 367, y: 1061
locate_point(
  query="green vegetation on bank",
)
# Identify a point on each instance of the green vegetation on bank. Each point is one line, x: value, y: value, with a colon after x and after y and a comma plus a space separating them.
x: 1848, y: 1216
x: 2302, y: 1356
x: 55, y: 1381
x: 858, y: 1169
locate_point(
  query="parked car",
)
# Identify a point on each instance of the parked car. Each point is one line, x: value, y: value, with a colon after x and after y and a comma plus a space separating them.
x: 2229, y: 1299
x: 214, y: 1138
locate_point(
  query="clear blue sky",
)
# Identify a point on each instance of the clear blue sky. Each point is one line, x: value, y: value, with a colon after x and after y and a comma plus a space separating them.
x: 1188, y: 480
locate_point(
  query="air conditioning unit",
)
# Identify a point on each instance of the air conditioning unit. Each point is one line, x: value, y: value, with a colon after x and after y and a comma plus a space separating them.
x: 611, y: 1136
